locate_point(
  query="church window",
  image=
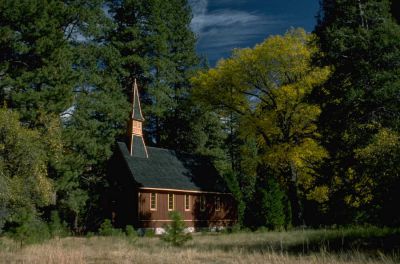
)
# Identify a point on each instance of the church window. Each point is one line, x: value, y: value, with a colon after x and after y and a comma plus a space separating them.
x: 217, y: 203
x: 153, y: 201
x: 202, y: 203
x: 171, y: 199
x: 187, y: 202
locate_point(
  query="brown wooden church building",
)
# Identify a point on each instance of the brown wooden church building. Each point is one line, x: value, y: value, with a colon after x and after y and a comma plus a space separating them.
x: 150, y: 182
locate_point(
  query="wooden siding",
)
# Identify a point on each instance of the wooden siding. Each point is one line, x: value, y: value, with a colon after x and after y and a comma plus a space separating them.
x: 194, y: 217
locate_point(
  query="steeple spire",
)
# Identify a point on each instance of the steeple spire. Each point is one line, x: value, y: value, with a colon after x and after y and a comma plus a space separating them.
x: 136, y: 109
x: 137, y: 148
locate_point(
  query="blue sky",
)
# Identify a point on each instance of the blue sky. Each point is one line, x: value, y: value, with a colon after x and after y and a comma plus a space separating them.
x: 221, y: 25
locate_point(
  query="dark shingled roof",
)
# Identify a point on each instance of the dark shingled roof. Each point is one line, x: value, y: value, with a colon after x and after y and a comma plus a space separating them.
x: 167, y: 169
x: 138, y: 147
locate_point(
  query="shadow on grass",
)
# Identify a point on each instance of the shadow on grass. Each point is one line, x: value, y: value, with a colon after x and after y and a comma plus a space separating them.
x: 372, y: 242
x: 353, y: 241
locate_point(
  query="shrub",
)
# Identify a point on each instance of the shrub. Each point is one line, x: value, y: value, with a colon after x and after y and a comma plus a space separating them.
x: 149, y: 233
x: 236, y: 228
x: 130, y: 231
x: 56, y: 228
x: 274, y: 205
x: 175, y: 232
x: 271, y: 212
x: 3, y: 212
x: 106, y: 229
x: 29, y: 230
x: 131, y: 234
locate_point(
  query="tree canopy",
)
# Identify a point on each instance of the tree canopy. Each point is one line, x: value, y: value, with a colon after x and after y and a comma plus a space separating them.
x: 268, y: 86
x: 24, y: 157
x: 360, y: 102
x: 304, y: 127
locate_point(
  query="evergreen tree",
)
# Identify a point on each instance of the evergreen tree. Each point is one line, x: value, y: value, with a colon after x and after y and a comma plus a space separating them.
x: 361, y: 41
x: 158, y: 48
x: 100, y: 109
x: 175, y: 232
x: 35, y: 57
x: 268, y: 205
x: 54, y: 64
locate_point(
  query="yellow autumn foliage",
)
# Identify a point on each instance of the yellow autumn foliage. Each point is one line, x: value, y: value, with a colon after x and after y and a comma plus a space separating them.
x: 379, y: 161
x: 268, y: 86
x: 23, y: 165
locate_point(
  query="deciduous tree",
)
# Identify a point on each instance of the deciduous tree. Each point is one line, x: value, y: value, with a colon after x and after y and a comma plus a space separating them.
x: 268, y: 86
x: 25, y: 155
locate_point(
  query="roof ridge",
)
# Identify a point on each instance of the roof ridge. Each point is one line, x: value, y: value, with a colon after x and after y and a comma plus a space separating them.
x: 161, y: 148
x: 168, y: 169
x: 178, y: 151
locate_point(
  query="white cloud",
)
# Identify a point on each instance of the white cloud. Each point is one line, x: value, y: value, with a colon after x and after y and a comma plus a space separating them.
x: 221, y: 30
x: 222, y: 18
x: 218, y: 18
x: 199, y: 7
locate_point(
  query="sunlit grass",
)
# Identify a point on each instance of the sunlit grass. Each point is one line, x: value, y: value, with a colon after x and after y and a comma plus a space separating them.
x: 355, y: 245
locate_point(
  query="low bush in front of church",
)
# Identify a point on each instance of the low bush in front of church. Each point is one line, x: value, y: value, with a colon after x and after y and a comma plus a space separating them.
x: 107, y: 229
x: 175, y: 233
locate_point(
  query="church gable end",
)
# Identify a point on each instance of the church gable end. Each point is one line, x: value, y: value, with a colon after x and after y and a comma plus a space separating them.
x: 157, y: 180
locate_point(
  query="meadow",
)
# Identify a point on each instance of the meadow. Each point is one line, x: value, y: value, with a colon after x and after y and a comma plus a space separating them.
x: 350, y: 245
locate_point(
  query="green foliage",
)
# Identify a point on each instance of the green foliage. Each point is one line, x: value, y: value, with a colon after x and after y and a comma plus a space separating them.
x: 29, y: 229
x: 66, y: 71
x: 107, y: 229
x: 233, y: 184
x: 361, y: 40
x: 175, y: 232
x: 149, y: 233
x: 157, y: 47
x: 36, y: 58
x: 55, y: 68
x: 267, y: 209
x: 130, y: 231
x: 378, y: 183
x: 23, y: 168
x: 131, y: 234
x: 56, y: 227
x: 268, y: 87
x: 272, y: 204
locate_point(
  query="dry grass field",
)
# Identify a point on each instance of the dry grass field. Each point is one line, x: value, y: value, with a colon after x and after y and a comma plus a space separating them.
x: 312, y: 246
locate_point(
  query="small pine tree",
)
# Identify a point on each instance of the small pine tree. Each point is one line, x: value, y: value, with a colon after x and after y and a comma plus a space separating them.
x: 56, y: 227
x: 29, y: 229
x: 107, y: 229
x: 270, y: 203
x: 273, y: 200
x: 175, y: 232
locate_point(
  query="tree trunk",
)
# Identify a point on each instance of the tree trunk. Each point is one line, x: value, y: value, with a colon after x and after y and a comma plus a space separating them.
x: 76, y: 223
x: 295, y: 203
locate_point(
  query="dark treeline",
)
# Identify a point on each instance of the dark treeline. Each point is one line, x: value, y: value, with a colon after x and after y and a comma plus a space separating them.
x: 304, y: 127
x: 323, y: 113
